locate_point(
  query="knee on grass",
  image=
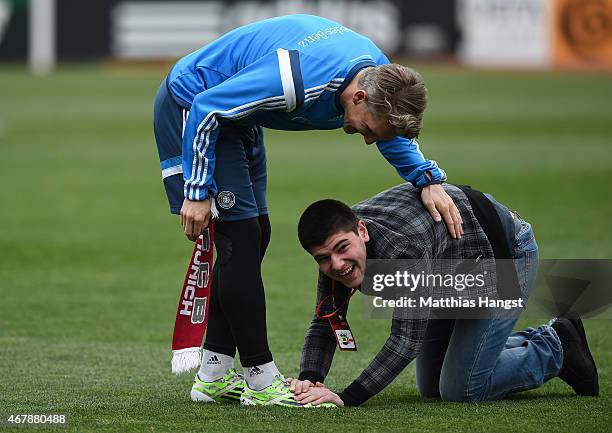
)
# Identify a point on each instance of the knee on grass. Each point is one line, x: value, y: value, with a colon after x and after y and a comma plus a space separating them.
x: 458, y: 393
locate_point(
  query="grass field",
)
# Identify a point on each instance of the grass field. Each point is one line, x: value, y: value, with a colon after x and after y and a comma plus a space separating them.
x: 92, y: 262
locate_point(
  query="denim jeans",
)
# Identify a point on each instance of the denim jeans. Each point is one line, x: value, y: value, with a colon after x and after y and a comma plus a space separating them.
x: 476, y: 360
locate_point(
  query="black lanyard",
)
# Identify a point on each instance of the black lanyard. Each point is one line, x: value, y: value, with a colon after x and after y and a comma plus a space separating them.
x: 333, y: 298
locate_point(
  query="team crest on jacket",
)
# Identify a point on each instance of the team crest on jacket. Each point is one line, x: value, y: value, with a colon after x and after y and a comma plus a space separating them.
x: 226, y: 199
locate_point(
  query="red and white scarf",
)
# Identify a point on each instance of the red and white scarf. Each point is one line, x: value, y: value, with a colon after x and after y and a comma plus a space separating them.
x: 192, y: 311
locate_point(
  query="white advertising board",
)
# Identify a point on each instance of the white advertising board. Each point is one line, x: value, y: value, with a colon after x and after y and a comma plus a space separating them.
x: 505, y: 33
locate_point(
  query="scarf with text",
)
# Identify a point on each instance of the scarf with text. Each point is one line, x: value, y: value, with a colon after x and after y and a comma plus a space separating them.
x: 192, y: 311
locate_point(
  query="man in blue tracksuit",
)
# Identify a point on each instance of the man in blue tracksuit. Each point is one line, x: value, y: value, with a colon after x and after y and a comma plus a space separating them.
x: 297, y: 72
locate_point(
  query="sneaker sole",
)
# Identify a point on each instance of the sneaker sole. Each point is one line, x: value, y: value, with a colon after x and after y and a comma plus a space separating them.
x: 200, y: 397
x: 246, y: 402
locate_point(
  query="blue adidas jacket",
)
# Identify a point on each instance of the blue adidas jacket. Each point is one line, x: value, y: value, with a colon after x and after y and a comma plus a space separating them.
x: 281, y: 73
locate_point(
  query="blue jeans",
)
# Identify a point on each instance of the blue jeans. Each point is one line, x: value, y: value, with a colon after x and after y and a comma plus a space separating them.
x: 476, y: 360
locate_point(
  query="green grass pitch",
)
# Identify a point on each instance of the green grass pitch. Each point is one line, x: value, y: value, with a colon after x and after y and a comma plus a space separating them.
x: 92, y: 262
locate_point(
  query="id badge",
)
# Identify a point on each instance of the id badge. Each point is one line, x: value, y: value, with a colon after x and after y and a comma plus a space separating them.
x: 342, y: 332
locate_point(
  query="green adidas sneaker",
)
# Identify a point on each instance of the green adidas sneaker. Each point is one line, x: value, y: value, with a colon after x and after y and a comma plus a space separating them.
x: 229, y: 388
x: 277, y: 394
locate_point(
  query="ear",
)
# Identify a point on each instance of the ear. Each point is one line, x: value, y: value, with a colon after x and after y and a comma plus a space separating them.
x: 363, y: 231
x: 360, y: 96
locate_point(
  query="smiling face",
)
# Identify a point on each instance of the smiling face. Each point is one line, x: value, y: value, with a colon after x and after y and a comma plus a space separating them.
x: 343, y: 256
x: 358, y: 119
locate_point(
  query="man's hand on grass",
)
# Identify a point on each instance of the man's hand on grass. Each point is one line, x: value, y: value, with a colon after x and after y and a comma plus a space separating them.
x: 297, y: 386
x: 319, y: 394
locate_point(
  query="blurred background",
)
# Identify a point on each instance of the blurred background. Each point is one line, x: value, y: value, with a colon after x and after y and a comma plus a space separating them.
x: 91, y: 261
x: 540, y: 34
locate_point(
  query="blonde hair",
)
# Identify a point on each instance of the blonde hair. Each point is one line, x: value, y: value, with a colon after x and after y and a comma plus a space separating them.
x: 397, y: 93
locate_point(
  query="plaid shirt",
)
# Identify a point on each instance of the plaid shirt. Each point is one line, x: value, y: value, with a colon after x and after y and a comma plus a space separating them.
x: 399, y: 228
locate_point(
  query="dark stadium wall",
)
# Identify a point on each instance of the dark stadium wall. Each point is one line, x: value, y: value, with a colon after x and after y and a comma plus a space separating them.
x: 13, y: 30
x: 83, y: 29
x: 122, y: 28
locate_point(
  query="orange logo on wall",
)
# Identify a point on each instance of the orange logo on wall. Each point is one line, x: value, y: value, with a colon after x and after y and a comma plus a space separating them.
x: 583, y: 33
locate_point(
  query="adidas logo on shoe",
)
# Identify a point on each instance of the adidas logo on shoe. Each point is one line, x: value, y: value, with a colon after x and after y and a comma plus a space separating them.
x: 213, y: 360
x: 255, y: 371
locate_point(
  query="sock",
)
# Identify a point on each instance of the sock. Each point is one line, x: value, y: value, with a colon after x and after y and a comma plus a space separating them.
x: 214, y: 365
x: 260, y: 376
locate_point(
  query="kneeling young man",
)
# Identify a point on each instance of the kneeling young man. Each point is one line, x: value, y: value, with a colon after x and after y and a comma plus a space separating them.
x: 457, y: 359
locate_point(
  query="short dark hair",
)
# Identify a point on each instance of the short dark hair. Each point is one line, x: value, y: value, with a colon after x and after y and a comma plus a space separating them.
x: 322, y: 219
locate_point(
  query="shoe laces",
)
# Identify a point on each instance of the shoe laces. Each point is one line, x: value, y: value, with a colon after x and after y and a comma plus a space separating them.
x: 230, y: 374
x: 280, y: 383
